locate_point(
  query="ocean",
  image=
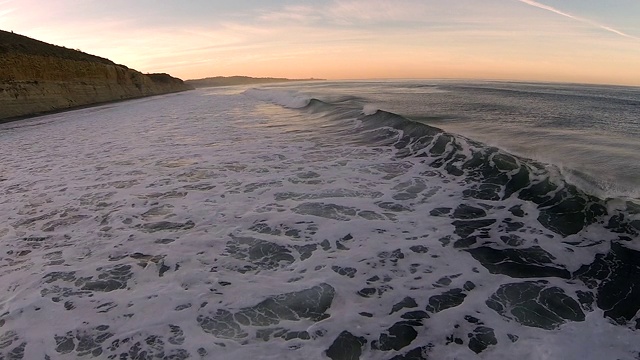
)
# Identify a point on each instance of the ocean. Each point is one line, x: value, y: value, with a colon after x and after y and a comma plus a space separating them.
x: 326, y: 220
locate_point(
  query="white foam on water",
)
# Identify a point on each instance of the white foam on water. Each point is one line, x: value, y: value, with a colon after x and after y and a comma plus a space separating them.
x: 370, y: 109
x: 133, y: 223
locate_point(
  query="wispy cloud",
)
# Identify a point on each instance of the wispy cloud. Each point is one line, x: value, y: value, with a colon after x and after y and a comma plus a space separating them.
x: 577, y: 18
x: 295, y: 13
x: 350, y: 12
x: 4, y: 11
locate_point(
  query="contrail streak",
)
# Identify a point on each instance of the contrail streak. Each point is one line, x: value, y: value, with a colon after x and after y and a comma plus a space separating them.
x: 577, y: 18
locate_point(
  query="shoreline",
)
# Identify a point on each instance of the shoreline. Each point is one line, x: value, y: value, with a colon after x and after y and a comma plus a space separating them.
x: 79, y: 107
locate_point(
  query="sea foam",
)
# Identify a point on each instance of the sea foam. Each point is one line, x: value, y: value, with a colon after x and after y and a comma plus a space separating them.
x: 223, y: 225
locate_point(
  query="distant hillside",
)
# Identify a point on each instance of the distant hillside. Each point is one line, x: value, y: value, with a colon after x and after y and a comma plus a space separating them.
x: 37, y: 77
x: 236, y: 80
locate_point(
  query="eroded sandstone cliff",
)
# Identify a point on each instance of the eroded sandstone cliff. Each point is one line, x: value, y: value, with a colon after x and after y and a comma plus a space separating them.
x: 36, y: 77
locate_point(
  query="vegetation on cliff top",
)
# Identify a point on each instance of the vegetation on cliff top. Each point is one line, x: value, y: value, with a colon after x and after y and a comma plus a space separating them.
x: 11, y: 42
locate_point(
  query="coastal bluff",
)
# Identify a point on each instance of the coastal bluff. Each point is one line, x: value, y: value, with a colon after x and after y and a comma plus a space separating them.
x: 37, y: 77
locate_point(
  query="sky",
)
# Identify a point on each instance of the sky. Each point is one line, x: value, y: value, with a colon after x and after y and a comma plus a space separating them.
x: 582, y: 41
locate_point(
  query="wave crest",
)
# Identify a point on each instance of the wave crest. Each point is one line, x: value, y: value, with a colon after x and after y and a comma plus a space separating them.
x: 289, y: 99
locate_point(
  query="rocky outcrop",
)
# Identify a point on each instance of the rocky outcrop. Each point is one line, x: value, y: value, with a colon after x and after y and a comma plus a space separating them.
x: 36, y: 77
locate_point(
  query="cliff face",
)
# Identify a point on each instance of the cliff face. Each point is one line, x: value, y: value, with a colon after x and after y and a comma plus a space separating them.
x: 36, y: 77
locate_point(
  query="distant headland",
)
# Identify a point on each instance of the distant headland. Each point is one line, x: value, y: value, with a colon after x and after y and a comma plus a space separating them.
x: 238, y: 80
x: 37, y: 77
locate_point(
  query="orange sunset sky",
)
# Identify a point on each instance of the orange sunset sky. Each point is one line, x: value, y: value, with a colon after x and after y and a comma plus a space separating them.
x: 585, y: 41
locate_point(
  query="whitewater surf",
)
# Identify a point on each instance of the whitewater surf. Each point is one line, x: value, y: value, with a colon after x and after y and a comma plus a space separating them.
x: 327, y: 220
